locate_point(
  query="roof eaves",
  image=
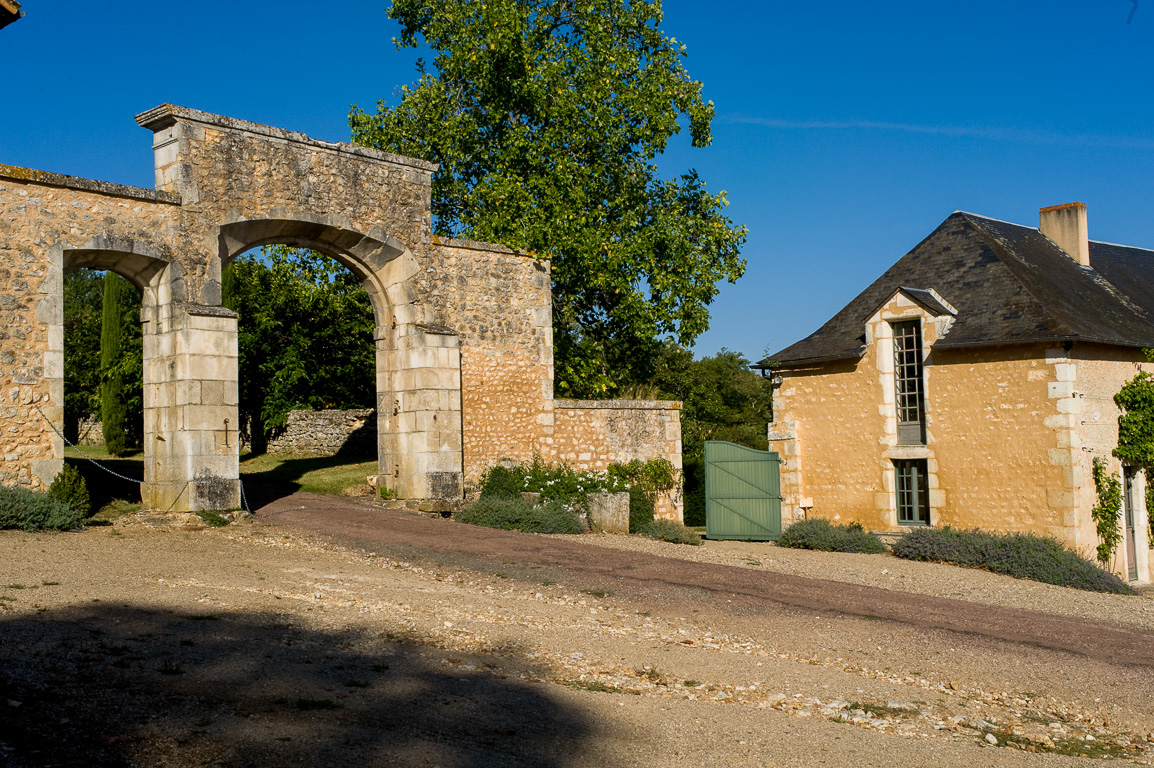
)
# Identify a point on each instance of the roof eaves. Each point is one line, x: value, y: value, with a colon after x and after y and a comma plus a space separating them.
x: 770, y: 364
x: 1038, y: 340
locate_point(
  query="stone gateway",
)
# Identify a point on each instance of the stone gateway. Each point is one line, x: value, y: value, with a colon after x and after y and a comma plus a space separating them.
x: 464, y: 361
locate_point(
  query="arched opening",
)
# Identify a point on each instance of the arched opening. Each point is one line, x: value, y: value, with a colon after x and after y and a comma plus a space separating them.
x: 416, y: 367
x: 310, y: 309
x: 305, y: 346
x: 104, y: 296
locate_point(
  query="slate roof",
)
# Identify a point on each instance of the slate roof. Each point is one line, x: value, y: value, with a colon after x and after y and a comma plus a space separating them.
x: 1010, y: 284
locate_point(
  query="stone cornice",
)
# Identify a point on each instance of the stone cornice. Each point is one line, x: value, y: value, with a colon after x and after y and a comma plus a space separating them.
x: 46, y: 178
x: 159, y: 118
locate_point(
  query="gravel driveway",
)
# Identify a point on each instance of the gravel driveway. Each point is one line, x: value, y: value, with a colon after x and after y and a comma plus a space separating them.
x: 333, y: 632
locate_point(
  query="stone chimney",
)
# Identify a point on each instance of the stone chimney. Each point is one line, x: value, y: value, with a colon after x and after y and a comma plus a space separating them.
x: 1066, y: 226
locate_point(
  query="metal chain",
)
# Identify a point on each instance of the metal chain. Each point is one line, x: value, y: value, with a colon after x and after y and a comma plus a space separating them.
x: 48, y: 421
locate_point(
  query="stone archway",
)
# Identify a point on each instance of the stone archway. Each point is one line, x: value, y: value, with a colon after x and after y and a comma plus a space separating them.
x: 160, y: 282
x: 418, y: 382
x: 464, y: 344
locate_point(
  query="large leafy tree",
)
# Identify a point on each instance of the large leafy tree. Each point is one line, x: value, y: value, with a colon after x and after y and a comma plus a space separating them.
x: 546, y: 117
x: 305, y: 337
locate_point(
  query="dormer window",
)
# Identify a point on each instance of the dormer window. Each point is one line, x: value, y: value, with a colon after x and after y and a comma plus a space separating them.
x: 909, y: 393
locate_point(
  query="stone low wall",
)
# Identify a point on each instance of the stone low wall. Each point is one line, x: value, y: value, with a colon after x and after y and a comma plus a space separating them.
x: 592, y: 434
x: 88, y: 432
x: 328, y: 433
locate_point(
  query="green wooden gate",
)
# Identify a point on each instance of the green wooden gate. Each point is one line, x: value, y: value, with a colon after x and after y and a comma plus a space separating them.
x: 742, y: 493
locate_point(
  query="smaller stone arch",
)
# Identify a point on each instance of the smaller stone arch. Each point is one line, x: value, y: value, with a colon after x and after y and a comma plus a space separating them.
x: 160, y: 282
x: 418, y: 365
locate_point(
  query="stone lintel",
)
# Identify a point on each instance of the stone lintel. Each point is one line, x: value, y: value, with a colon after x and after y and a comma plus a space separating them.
x: 159, y: 118
x: 49, y: 179
x: 203, y: 310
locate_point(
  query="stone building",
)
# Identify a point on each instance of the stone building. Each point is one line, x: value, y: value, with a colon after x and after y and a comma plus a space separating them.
x: 464, y: 362
x: 972, y: 385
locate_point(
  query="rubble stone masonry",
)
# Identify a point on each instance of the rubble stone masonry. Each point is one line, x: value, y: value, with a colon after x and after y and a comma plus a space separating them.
x: 592, y: 434
x: 463, y: 330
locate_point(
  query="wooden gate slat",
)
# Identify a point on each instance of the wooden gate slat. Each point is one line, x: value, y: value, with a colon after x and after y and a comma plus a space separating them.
x: 742, y: 492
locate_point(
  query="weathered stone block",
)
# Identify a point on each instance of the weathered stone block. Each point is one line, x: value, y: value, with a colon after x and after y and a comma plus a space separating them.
x: 609, y: 512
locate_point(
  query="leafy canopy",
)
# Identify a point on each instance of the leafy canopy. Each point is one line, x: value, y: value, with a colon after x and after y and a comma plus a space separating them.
x: 305, y: 337
x: 546, y: 117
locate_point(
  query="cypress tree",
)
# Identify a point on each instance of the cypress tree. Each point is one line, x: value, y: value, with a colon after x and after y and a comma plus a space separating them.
x: 112, y: 405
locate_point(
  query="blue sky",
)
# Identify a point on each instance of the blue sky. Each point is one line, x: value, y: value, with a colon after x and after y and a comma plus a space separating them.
x: 844, y: 133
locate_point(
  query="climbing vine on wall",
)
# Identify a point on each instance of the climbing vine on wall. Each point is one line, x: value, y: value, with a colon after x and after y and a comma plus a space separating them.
x: 1136, y: 429
x: 1107, y: 510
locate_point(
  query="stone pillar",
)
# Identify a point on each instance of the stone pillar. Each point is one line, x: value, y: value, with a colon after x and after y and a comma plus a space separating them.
x: 191, y: 443
x: 419, y: 413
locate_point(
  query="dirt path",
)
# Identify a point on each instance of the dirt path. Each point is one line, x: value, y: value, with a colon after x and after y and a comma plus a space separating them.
x: 327, y: 632
x: 652, y: 577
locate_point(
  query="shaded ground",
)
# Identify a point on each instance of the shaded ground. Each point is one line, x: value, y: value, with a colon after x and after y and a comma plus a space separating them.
x: 126, y: 685
x: 332, y: 632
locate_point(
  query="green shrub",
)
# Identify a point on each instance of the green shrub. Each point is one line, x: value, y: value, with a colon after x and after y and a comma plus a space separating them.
x: 1021, y: 555
x: 554, y: 482
x: 818, y: 533
x: 640, y: 510
x: 30, y: 511
x: 519, y: 515
x: 667, y: 530
x: 502, y: 483
x: 694, y: 490
x: 69, y: 487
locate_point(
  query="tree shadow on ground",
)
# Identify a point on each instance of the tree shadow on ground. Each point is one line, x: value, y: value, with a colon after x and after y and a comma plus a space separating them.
x: 133, y: 686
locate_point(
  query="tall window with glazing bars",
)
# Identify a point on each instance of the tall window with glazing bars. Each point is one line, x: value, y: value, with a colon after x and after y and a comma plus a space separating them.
x: 909, y: 392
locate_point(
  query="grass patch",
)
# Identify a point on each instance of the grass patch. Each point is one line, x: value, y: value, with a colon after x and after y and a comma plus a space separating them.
x: 114, y: 509
x: 598, y: 593
x: 519, y: 515
x: 668, y: 530
x: 819, y: 534
x: 1021, y: 555
x: 878, y: 710
x: 212, y: 519
x: 325, y: 475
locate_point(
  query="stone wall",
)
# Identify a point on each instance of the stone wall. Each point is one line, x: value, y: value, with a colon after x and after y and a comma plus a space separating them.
x: 499, y: 303
x: 463, y: 331
x: 90, y: 431
x: 327, y: 433
x: 592, y: 434
x: 40, y: 214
